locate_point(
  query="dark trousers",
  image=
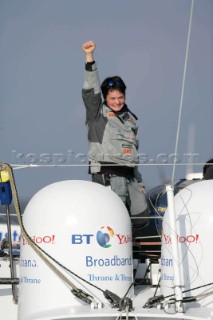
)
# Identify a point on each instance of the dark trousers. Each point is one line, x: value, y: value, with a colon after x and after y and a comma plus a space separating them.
x: 129, y: 190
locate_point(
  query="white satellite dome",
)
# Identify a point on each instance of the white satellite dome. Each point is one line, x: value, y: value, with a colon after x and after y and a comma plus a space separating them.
x: 194, y: 220
x: 87, y: 228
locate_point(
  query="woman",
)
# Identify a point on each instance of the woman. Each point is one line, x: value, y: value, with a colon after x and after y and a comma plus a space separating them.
x: 113, y: 139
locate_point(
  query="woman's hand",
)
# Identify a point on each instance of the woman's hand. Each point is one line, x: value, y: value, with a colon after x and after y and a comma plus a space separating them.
x: 88, y: 47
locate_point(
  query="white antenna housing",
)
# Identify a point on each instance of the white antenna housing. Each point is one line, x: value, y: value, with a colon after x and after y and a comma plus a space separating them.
x: 194, y: 222
x: 87, y: 228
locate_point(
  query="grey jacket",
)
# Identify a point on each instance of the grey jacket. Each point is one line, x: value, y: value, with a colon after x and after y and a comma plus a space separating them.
x: 113, y: 138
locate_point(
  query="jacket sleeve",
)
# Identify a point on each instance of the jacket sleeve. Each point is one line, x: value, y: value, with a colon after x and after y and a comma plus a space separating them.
x: 91, y: 92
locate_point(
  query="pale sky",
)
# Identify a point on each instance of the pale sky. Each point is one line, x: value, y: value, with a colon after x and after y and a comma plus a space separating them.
x: 42, y: 117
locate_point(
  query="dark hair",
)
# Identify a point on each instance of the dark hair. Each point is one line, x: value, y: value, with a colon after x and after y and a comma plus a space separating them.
x: 115, y: 83
x: 206, y: 166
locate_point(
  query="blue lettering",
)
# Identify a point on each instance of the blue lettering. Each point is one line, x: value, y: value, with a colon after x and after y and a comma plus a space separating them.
x: 81, y: 238
x: 15, y: 236
x: 88, y: 236
x: 77, y: 239
x: 166, y: 262
x: 115, y: 261
x: 89, y: 262
x: 28, y: 263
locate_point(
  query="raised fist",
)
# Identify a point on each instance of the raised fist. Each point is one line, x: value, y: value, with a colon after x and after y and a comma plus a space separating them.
x: 88, y: 47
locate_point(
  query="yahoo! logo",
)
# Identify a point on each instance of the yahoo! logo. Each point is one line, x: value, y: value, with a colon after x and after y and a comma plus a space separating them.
x: 104, y: 235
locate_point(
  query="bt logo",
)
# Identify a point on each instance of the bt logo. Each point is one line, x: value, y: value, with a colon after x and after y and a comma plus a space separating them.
x: 103, y: 237
x: 81, y: 238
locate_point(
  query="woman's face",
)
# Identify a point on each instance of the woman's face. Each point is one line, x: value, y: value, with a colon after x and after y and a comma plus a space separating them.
x: 115, y: 100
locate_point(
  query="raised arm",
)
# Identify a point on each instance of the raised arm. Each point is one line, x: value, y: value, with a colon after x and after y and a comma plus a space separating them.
x: 91, y: 92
